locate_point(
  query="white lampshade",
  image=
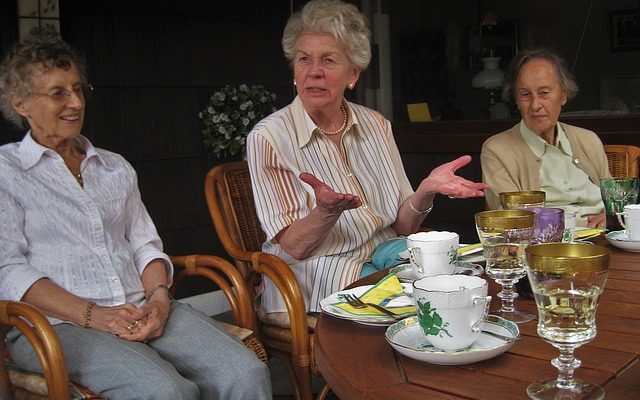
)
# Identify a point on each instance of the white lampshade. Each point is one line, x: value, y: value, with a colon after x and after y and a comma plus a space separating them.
x: 491, y: 76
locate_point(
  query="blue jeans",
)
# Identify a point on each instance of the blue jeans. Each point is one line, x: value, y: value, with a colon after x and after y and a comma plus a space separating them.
x: 193, y: 359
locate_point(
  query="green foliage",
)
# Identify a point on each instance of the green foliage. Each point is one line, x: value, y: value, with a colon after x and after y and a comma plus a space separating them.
x: 430, y: 321
x: 231, y: 114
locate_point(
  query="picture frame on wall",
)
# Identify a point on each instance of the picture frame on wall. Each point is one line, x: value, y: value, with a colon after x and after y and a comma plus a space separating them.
x: 625, y: 30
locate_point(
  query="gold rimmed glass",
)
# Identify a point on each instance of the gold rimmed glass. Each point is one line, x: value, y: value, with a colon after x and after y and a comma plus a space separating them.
x: 567, y: 280
x: 504, y: 235
x: 522, y: 199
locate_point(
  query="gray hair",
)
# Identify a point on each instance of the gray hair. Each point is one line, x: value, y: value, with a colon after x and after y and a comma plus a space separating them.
x: 42, y: 48
x: 565, y: 77
x: 339, y: 19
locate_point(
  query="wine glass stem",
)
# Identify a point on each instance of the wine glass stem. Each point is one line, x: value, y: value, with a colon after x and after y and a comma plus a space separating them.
x: 566, y: 364
x: 507, y: 294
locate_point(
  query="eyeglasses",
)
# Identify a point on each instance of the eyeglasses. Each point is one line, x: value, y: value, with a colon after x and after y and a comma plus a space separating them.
x: 62, y: 95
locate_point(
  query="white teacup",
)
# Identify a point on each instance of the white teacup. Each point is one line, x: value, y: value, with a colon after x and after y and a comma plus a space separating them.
x: 451, y: 309
x: 433, y: 253
x: 630, y: 220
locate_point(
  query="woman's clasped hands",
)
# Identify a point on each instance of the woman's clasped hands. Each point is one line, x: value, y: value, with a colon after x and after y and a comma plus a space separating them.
x: 128, y: 322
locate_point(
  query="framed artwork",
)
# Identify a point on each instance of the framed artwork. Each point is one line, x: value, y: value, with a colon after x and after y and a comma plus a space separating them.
x: 625, y: 30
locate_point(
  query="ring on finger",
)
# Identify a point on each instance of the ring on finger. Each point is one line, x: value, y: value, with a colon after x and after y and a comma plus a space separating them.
x: 133, y: 325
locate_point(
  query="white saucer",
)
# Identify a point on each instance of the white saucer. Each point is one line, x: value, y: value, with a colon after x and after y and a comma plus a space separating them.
x: 326, y: 305
x: 621, y: 239
x: 406, y: 273
x: 406, y: 337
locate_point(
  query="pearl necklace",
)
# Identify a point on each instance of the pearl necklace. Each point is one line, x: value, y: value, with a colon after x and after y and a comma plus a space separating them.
x: 344, y: 124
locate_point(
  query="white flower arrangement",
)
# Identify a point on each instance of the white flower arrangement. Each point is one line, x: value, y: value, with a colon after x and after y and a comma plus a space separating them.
x: 231, y: 114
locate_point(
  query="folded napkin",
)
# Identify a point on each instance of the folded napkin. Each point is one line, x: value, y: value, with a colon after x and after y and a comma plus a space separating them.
x: 467, y: 249
x: 587, y: 233
x: 388, y: 293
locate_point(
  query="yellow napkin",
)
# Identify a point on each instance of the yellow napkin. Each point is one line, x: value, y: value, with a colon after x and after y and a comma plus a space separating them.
x: 464, y: 250
x: 381, y: 293
x: 584, y: 233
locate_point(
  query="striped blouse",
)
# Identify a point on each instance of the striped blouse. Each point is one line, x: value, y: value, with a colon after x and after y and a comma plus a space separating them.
x: 367, y: 164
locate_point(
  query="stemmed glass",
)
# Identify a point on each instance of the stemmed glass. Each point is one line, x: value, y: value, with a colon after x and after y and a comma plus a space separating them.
x: 524, y: 200
x: 567, y: 279
x: 504, y: 235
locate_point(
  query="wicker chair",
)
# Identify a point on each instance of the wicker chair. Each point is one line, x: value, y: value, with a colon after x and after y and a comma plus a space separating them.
x: 54, y: 383
x: 623, y: 159
x: 36, y: 328
x: 232, y: 208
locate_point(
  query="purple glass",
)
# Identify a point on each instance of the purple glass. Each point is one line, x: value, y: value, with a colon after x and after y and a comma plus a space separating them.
x: 549, y: 225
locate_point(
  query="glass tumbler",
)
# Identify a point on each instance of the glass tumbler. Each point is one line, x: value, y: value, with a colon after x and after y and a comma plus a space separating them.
x: 549, y: 225
x: 522, y: 199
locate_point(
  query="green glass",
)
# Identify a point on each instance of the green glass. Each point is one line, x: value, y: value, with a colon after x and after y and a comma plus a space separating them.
x: 617, y: 193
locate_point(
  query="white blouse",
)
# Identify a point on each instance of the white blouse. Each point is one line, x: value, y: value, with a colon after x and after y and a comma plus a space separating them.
x: 94, y: 241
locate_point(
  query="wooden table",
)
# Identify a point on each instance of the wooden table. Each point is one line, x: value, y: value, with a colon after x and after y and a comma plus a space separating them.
x: 358, y: 363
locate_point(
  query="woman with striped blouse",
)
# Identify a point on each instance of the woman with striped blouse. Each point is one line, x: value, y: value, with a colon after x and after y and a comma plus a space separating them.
x: 327, y: 176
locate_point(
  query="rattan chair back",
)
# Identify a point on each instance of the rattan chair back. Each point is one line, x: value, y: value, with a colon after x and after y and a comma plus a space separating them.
x: 232, y: 207
x: 622, y: 159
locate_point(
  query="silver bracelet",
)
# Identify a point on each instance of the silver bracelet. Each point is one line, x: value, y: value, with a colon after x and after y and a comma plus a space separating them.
x: 421, y: 212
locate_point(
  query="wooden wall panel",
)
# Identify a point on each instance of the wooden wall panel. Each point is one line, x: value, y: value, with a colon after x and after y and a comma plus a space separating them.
x: 154, y: 65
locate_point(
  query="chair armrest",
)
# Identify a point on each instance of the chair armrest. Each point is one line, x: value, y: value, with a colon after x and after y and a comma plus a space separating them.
x: 39, y: 332
x: 227, y: 278
x: 287, y: 284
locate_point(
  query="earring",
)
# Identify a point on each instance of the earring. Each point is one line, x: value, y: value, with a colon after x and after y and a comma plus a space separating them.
x: 294, y: 82
x: 350, y: 86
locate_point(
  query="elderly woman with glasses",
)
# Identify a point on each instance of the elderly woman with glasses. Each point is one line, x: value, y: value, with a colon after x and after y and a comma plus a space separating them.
x: 331, y: 191
x: 78, y: 244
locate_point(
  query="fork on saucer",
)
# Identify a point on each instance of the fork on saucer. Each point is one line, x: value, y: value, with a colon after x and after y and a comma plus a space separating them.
x: 355, y: 302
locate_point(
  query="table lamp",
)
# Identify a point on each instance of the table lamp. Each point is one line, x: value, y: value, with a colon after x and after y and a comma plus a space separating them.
x: 490, y: 78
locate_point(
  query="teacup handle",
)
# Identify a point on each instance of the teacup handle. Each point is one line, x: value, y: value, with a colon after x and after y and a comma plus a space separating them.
x: 476, y: 327
x: 621, y: 215
x: 413, y: 258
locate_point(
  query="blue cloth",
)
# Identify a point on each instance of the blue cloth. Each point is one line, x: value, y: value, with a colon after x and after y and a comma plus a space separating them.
x: 384, y: 255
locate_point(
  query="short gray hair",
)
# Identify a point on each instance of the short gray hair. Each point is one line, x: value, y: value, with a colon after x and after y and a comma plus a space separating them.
x: 337, y: 18
x: 565, y: 77
x: 42, y: 47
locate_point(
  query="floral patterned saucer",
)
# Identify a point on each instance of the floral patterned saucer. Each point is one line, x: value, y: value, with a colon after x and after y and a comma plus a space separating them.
x: 407, y: 338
